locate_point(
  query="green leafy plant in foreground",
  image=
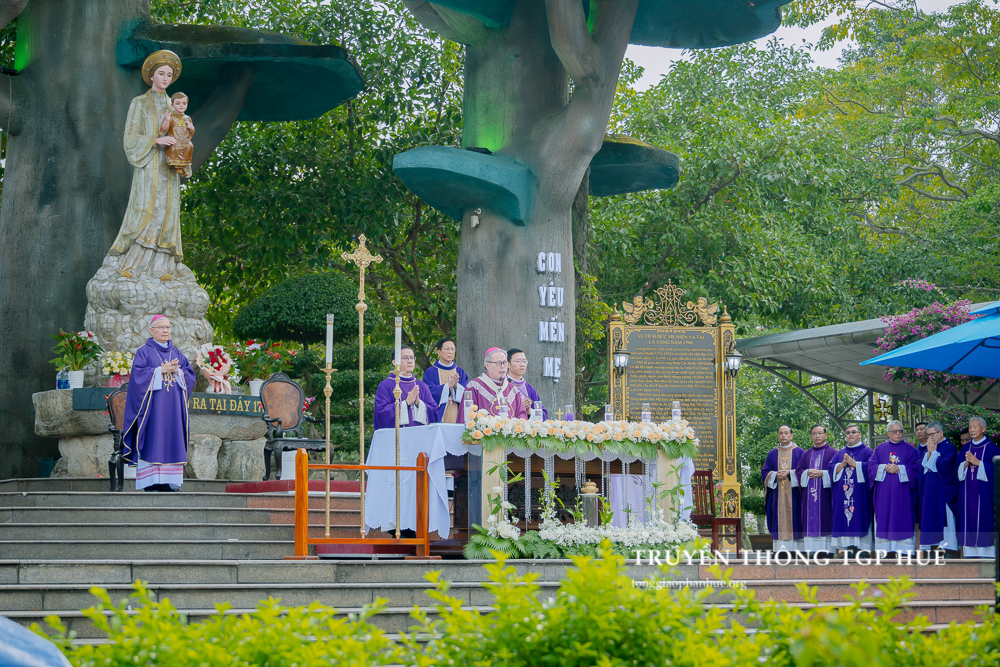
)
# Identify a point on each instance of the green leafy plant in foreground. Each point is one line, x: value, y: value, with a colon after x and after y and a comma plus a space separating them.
x: 597, y: 616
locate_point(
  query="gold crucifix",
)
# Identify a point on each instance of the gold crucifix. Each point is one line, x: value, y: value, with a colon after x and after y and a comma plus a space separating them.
x: 362, y: 258
x: 559, y: 414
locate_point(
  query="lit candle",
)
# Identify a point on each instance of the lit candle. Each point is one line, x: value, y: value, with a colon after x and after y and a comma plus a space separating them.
x: 399, y: 340
x: 329, y: 338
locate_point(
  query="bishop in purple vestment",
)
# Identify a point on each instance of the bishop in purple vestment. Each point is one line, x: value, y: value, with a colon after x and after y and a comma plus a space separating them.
x: 518, y: 366
x: 813, y: 472
x: 417, y: 403
x: 156, y: 433
x: 937, y: 490
x: 851, y: 494
x: 447, y: 381
x: 894, y: 470
x: 493, y: 388
x: 975, y: 493
x: 782, y: 500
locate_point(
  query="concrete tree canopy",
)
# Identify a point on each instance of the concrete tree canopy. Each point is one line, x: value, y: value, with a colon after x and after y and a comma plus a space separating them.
x: 453, y: 181
x: 676, y: 24
x: 293, y: 79
x: 67, y: 179
x: 628, y: 165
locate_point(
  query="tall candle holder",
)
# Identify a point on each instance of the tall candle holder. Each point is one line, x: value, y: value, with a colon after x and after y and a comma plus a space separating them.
x: 397, y: 393
x: 328, y: 391
x: 361, y: 257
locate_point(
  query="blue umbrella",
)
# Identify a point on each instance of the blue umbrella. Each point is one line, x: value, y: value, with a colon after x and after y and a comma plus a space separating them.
x: 972, y: 348
x: 20, y: 647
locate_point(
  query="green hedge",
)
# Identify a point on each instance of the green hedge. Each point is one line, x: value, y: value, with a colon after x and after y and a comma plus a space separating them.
x: 596, y: 617
x: 296, y: 310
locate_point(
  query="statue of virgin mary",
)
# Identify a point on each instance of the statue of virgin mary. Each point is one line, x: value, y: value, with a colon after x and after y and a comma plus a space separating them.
x: 149, y: 242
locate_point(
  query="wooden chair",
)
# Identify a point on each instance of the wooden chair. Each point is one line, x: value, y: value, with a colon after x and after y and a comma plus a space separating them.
x: 704, y: 512
x: 282, y: 399
x: 116, y: 413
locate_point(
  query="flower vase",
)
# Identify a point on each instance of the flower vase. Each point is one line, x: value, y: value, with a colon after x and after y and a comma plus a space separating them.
x: 76, y: 379
x: 255, y: 387
x: 116, y: 380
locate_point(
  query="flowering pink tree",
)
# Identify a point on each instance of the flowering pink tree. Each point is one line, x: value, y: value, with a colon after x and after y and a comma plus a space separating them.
x: 918, y: 324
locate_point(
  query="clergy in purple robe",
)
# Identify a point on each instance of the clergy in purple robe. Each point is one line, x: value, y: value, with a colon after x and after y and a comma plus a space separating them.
x: 894, y: 471
x: 851, y: 494
x: 815, y: 485
x: 417, y: 406
x: 782, y: 501
x: 975, y: 493
x: 493, y: 389
x: 937, y: 489
x: 156, y: 433
x: 518, y: 366
x: 447, y: 382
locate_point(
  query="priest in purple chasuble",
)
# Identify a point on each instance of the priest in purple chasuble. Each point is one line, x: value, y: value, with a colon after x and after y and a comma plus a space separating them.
x: 417, y: 405
x: 975, y: 493
x: 447, y: 382
x: 815, y: 484
x: 937, y: 490
x: 782, y: 500
x: 156, y: 434
x: 894, y: 470
x: 493, y: 387
x: 518, y: 366
x: 851, y: 494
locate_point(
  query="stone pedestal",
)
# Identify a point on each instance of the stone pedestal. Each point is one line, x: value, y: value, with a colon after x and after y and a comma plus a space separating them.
x: 242, y: 459
x: 119, y: 309
x: 203, y: 457
x: 86, y: 455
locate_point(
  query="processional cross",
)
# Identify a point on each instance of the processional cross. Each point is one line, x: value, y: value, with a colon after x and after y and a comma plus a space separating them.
x: 362, y: 258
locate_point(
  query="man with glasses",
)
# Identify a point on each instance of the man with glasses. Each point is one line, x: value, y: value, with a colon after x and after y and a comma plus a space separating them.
x: 518, y: 361
x: 493, y: 388
x: 418, y: 406
x: 975, y: 493
x: 156, y: 415
x: 852, y: 495
x: 447, y: 382
x: 937, y: 501
x: 920, y: 431
x: 894, y: 471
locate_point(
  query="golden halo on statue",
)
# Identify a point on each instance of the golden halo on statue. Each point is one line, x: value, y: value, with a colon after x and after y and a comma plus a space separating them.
x: 158, y: 59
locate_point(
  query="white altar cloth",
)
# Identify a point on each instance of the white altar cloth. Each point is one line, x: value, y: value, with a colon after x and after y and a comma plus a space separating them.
x: 435, y: 440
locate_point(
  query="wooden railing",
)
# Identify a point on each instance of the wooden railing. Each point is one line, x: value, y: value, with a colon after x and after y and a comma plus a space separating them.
x: 302, y: 539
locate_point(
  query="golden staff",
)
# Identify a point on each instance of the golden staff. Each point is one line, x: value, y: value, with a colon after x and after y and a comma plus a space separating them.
x: 361, y: 258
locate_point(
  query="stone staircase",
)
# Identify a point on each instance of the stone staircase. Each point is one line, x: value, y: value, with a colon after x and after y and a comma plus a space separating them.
x: 58, y: 538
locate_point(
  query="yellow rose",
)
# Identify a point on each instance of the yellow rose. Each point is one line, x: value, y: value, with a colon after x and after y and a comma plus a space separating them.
x: 477, y: 435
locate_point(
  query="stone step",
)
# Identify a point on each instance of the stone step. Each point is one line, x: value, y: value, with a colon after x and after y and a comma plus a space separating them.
x: 148, y: 549
x: 399, y: 619
x: 49, y: 597
x: 97, y: 484
x: 133, y: 499
x: 31, y: 532
x: 138, y: 515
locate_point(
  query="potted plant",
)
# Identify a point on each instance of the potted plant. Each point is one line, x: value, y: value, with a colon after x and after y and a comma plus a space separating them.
x: 117, y: 366
x: 258, y: 361
x: 74, y: 352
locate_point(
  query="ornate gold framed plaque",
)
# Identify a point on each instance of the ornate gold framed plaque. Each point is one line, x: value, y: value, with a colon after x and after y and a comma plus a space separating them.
x: 677, y: 352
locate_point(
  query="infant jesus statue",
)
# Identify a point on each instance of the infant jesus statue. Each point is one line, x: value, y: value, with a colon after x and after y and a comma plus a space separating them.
x: 178, y: 125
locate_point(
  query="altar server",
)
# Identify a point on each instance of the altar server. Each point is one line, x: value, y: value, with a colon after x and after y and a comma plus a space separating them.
x: 937, y: 489
x: 851, y: 494
x: 518, y: 367
x: 894, y: 470
x: 493, y: 388
x: 418, y: 405
x: 782, y: 502
x: 447, y: 382
x: 975, y: 493
x: 815, y: 483
x: 156, y: 415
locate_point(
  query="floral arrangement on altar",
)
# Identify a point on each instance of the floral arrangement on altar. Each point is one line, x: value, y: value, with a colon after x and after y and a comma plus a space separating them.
x: 216, y: 365
x: 75, y: 350
x: 675, y: 438
x: 117, y: 366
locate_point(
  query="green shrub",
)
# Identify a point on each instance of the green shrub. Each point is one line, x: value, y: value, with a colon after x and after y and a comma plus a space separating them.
x: 296, y: 310
x: 956, y: 417
x: 596, y: 617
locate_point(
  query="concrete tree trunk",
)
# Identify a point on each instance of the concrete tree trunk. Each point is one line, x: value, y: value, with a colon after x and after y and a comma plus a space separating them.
x: 66, y: 186
x: 517, y: 103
